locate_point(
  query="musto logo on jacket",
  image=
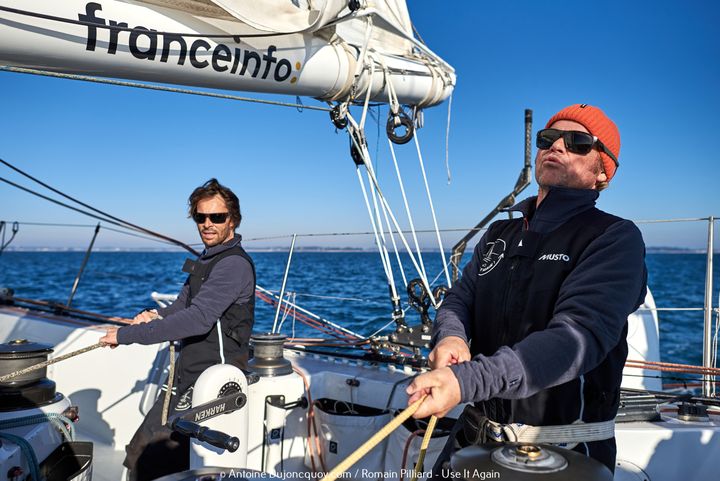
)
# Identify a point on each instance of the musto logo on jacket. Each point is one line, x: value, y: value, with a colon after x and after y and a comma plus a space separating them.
x: 494, y: 254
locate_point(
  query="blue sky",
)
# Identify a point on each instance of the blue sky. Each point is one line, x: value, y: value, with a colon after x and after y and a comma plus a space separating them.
x: 654, y: 67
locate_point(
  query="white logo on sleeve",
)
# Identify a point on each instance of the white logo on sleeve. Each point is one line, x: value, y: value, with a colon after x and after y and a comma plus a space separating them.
x: 495, y: 253
x: 554, y: 257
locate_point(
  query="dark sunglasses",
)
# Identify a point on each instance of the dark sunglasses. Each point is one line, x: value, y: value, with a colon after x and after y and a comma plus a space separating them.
x: 218, y: 218
x: 575, y: 141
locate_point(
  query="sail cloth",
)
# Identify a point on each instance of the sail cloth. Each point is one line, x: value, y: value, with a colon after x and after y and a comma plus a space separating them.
x: 286, y: 16
x: 294, y: 47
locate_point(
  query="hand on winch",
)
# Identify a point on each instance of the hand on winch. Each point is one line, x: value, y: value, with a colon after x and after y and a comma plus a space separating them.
x: 440, y: 385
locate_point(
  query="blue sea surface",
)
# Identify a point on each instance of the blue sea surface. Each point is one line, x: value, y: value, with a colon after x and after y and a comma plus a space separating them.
x: 348, y: 288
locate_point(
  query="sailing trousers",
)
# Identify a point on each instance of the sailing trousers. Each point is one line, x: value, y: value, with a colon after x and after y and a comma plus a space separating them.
x: 155, y: 450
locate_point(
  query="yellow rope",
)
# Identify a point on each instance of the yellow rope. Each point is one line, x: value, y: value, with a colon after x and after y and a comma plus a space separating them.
x: 423, y: 447
x: 373, y: 441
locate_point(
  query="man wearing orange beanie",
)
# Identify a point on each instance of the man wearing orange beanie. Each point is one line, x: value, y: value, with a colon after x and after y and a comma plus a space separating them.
x: 534, y: 333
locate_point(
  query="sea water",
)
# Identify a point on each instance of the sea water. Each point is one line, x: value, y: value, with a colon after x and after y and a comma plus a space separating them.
x: 347, y: 288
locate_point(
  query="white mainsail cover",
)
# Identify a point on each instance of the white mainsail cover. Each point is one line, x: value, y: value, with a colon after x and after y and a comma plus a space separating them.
x: 317, y: 48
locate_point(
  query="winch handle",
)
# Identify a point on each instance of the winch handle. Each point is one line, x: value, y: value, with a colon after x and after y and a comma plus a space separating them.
x: 202, y: 433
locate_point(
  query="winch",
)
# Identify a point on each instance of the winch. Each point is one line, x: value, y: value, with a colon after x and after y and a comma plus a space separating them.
x: 30, y: 389
x: 36, y: 420
x: 275, y: 411
x: 523, y: 462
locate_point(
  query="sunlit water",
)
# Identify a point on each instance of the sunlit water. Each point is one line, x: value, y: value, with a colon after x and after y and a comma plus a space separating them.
x: 348, y: 288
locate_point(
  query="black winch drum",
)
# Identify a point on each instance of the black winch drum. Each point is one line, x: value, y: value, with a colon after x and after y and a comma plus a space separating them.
x: 20, y: 354
x: 525, y: 462
x: 268, y: 357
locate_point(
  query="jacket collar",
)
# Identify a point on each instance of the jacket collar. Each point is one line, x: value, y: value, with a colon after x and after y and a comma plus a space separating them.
x: 215, y: 250
x: 559, y: 205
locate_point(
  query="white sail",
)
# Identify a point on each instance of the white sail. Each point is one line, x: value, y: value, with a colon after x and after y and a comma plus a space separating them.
x: 305, y: 48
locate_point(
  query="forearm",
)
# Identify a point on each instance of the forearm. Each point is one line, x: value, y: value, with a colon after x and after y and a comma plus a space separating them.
x: 231, y: 280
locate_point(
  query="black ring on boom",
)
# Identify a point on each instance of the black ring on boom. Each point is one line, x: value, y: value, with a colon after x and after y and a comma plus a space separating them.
x: 402, y: 120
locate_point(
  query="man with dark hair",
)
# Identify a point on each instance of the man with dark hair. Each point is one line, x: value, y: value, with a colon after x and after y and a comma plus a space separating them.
x: 212, y: 318
x: 544, y: 304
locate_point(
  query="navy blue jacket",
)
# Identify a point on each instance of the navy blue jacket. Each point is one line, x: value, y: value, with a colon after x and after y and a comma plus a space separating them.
x: 586, y: 324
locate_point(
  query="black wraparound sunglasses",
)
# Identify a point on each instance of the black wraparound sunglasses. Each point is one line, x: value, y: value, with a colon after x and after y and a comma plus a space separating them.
x: 217, y: 218
x: 575, y: 141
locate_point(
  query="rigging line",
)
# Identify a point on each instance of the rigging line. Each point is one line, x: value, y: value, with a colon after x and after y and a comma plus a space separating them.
x: 380, y: 244
x: 2, y: 179
x: 377, y: 213
x: 117, y: 28
x: 336, y: 234
x: 392, y: 321
x: 150, y: 238
x: 447, y: 141
x: 48, y: 224
x: 335, y: 298
x: 395, y: 249
x: 290, y: 295
x: 311, y: 314
x: 326, y: 329
x: 432, y: 209
x: 124, y: 83
x: 371, y: 67
x: 374, y: 180
x: 381, y: 228
x: 372, y: 222
x: 407, y: 205
x: 124, y: 222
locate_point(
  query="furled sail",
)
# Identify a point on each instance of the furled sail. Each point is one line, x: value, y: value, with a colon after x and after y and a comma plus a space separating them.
x: 327, y: 49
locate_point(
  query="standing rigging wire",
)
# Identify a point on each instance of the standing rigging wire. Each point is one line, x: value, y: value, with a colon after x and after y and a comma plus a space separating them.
x: 107, y: 217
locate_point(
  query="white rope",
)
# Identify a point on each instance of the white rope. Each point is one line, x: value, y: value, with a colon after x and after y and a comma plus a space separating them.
x: 335, y: 298
x: 382, y: 328
x: 447, y: 141
x: 311, y: 314
x: 395, y: 249
x: 363, y: 150
x: 381, y: 228
x: 432, y: 209
x: 290, y: 295
x: 387, y: 222
x: 372, y: 218
x: 382, y: 246
x: 407, y: 207
x: 222, y: 346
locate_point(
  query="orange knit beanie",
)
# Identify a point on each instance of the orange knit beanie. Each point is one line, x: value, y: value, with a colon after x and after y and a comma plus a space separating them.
x: 599, y: 125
